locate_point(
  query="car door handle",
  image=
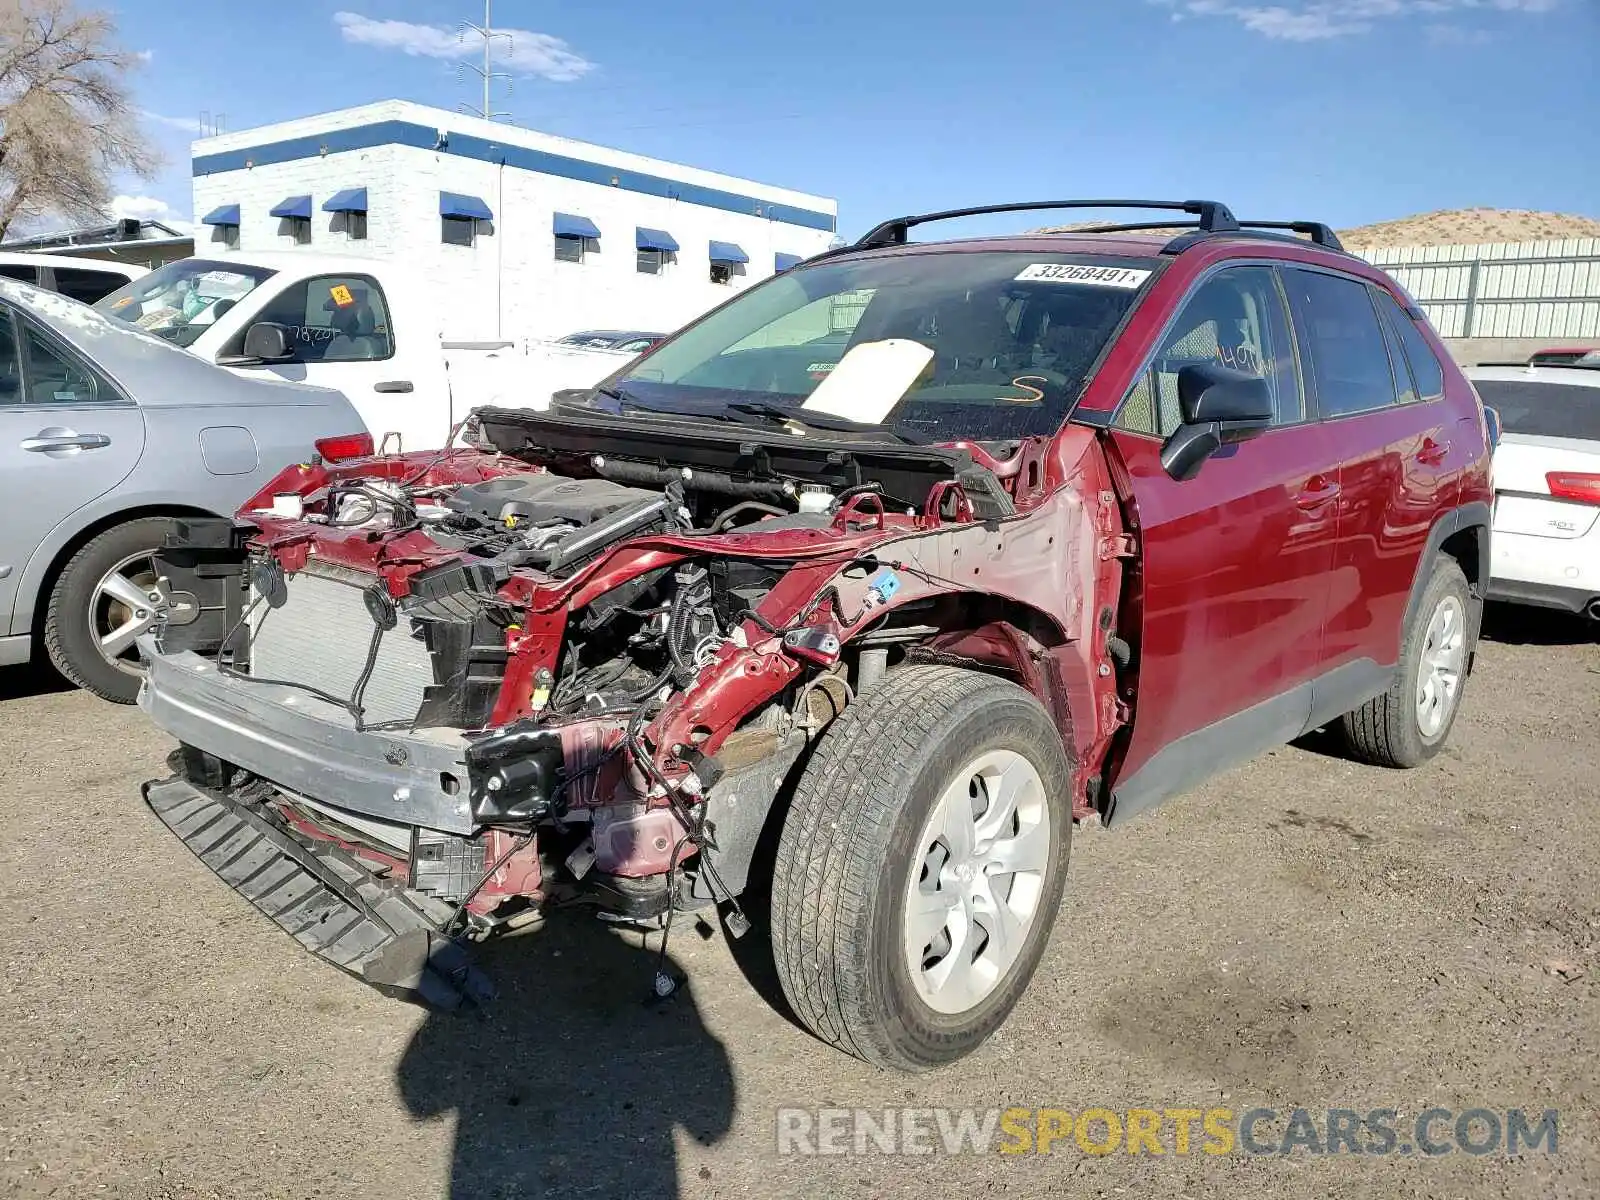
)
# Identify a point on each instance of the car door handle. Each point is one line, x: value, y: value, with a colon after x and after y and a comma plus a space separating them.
x: 1317, y: 492
x: 1432, y: 452
x: 393, y: 385
x: 44, y: 442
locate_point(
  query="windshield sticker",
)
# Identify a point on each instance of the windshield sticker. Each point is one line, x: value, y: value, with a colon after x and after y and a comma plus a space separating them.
x: 1117, y: 277
x: 341, y: 296
x: 870, y: 380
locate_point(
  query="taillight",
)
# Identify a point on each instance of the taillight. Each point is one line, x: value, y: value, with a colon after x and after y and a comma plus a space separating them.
x: 1574, y: 485
x: 346, y: 445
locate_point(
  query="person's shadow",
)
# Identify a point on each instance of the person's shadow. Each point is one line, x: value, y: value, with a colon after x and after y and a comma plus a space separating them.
x: 570, y: 1082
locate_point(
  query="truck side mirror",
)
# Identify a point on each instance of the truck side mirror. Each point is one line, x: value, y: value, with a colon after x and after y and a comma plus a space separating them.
x: 264, y: 342
x: 1219, y: 406
x: 267, y: 342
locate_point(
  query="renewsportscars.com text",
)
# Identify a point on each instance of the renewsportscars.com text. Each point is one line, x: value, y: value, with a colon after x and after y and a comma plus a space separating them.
x: 1020, y: 1131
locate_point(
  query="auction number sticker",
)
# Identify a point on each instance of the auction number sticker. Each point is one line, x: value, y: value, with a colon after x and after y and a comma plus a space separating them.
x: 342, y: 297
x: 1117, y: 277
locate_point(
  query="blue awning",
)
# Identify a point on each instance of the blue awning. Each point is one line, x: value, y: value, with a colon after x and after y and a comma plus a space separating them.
x: 782, y: 262
x: 454, y: 204
x: 349, y: 200
x: 567, y: 225
x: 294, y: 206
x: 655, y: 239
x: 727, y: 252
x: 226, y: 214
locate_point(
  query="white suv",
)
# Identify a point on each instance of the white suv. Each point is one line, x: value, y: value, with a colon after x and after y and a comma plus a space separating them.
x: 1546, y: 543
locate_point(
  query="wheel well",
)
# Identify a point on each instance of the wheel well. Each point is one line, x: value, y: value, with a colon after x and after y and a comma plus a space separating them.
x: 1467, y: 547
x: 41, y: 606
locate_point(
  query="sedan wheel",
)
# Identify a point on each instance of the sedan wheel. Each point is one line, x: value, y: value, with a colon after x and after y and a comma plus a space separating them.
x: 129, y: 600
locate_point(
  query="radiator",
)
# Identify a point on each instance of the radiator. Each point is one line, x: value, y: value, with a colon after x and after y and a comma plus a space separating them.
x: 320, y: 637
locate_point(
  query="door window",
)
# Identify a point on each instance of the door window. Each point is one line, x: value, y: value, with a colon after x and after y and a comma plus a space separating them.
x: 86, y: 286
x: 333, y: 318
x: 52, y: 376
x: 10, y: 363
x: 1235, y: 320
x: 1348, y: 362
x: 1426, y: 372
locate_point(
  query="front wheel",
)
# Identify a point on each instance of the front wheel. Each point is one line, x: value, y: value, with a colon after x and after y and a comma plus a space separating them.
x: 921, y: 865
x: 1408, y: 724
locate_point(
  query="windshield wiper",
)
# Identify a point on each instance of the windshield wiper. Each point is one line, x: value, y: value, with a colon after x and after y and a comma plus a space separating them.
x: 825, y: 421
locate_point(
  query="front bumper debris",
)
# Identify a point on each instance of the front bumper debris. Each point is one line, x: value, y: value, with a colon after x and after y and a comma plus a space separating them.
x: 380, y: 932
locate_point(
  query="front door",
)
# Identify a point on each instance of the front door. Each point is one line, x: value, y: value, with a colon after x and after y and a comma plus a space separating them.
x: 1234, y: 561
x: 66, y: 438
x: 341, y: 337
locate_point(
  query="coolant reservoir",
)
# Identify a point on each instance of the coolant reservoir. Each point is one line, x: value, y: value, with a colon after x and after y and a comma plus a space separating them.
x: 814, y: 498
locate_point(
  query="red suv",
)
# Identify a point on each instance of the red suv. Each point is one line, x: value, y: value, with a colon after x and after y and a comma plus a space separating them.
x: 850, y: 598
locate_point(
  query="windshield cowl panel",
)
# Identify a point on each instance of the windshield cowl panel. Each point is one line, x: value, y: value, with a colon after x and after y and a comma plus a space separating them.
x: 985, y: 346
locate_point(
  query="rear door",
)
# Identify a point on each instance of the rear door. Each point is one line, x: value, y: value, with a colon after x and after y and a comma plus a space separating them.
x: 1397, y: 474
x: 67, y: 436
x: 1234, y: 561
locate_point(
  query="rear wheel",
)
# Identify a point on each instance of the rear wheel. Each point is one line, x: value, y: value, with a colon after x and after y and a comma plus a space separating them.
x: 107, y: 595
x: 921, y: 865
x: 1408, y: 724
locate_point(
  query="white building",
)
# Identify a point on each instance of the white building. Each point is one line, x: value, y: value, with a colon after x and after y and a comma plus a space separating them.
x: 526, y: 234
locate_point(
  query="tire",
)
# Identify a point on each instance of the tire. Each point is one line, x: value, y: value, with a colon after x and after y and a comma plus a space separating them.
x: 77, y: 616
x: 854, y: 844
x: 1391, y: 730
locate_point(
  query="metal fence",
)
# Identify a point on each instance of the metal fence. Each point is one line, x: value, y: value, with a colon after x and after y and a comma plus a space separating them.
x: 1548, y: 289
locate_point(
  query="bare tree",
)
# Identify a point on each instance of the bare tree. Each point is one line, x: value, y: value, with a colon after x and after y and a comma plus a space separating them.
x: 67, y: 122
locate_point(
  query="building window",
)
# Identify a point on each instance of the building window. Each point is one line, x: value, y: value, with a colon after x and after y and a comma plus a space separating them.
x: 457, y: 231
x: 721, y: 272
x: 352, y: 224
x: 570, y: 249
x: 653, y: 262
x: 226, y: 235
x: 298, y: 230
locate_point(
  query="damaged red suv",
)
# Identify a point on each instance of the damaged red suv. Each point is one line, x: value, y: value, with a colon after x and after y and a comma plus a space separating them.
x: 859, y: 591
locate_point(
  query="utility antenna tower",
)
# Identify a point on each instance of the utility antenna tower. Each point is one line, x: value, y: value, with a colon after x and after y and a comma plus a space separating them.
x: 486, y: 73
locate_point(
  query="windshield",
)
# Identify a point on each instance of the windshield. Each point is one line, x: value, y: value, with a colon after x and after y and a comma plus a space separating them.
x: 183, y: 299
x: 946, y: 345
x: 1543, y: 409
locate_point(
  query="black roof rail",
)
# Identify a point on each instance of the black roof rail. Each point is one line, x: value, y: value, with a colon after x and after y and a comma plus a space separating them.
x: 1315, y: 230
x: 1215, y: 217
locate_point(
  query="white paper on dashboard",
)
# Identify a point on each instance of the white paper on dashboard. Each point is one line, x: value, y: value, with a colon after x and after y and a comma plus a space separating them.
x: 870, y: 380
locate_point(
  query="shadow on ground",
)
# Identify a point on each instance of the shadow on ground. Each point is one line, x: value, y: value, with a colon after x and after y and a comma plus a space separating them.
x: 34, y: 679
x: 1524, y: 625
x: 573, y: 1082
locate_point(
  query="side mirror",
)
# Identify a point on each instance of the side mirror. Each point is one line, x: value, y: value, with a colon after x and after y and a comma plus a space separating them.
x: 1219, y: 406
x: 264, y: 342
x: 1491, y: 418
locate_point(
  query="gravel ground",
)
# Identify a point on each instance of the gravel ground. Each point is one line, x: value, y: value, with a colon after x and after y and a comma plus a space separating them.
x: 1300, y: 932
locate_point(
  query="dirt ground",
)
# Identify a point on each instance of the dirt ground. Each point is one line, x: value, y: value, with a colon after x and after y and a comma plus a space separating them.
x: 1300, y: 932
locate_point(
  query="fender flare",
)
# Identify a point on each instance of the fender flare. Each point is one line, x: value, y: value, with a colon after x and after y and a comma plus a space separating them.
x: 1475, y: 514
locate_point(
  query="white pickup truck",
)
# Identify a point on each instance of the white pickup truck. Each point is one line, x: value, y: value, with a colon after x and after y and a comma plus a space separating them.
x: 367, y: 327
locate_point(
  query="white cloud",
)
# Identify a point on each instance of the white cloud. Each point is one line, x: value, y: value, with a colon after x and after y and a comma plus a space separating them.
x: 187, y: 124
x: 149, y: 208
x: 1319, y: 20
x: 527, y: 53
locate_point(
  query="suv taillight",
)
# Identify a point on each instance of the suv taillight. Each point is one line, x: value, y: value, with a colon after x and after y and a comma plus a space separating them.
x: 346, y: 445
x: 1574, y: 485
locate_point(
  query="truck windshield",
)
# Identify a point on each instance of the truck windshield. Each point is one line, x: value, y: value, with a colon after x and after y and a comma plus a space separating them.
x: 944, y: 344
x: 183, y: 299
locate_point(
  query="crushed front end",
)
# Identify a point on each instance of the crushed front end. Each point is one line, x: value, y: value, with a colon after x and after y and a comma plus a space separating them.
x: 433, y: 696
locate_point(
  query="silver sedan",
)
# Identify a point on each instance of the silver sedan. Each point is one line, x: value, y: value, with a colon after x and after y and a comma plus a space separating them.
x: 107, y: 435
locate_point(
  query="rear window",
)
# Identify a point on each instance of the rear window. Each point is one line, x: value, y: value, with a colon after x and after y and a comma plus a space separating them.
x: 1543, y: 409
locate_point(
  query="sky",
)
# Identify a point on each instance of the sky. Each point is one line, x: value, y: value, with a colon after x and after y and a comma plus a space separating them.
x: 1345, y: 111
